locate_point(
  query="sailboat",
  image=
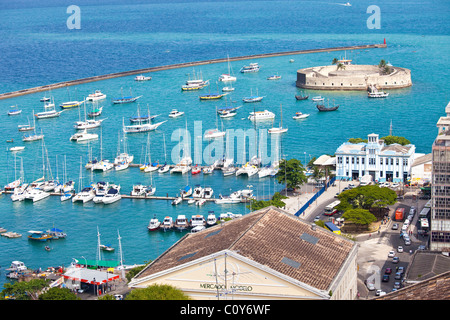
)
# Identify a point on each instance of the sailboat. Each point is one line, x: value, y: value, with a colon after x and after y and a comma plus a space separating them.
x: 280, y: 129
x: 215, y: 133
x: 25, y: 127
x: 252, y: 98
x: 140, y: 127
x: 150, y: 166
x: 227, y: 77
x: 122, y: 99
x: 123, y: 159
x: 103, y: 164
x: 196, y: 84
x: 164, y: 168
x: 87, y: 123
x: 70, y: 104
x: 33, y: 137
x: 49, y: 111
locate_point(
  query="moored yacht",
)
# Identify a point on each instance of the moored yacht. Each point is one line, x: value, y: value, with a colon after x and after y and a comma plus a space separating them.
x: 112, y: 195
x: 83, y: 136
x: 154, y: 224
x: 85, y: 195
x: 97, y: 95
x: 261, y: 115
x: 181, y: 223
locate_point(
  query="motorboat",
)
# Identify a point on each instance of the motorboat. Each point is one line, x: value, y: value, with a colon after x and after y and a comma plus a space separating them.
x: 186, y: 192
x: 97, y: 95
x: 164, y: 168
x: 274, y: 77
x: 66, y: 196
x: 15, y: 149
x: 181, y: 223
x: 198, y: 192
x: 192, y: 201
x: 211, y: 220
x: 200, y: 202
x: 227, y: 89
x: 177, y: 201
x: 17, y: 266
x: 167, y: 223
x: 198, y: 229
x: 235, y: 197
x: 208, y: 192
x: 88, y: 124
x: 299, y: 115
x: 14, y: 111
x: 196, y: 170
x: 112, y: 195
x: 229, y: 171
x: 85, y: 195
x: 102, y: 165
x: 83, y: 136
x: 197, y: 220
x: 100, y: 191
x: 228, y: 216
x: 208, y: 170
x: 139, y: 190
x: 214, y: 134
x: 142, y: 78
x: 39, y: 235
x: 261, y: 115
x: 378, y: 94
x: 151, y: 167
x: 318, y: 99
x: 106, y: 247
x: 252, y: 67
x: 227, y: 114
x: 175, y: 113
x: 154, y: 224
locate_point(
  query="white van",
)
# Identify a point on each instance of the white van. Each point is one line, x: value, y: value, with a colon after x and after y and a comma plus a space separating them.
x: 404, y: 228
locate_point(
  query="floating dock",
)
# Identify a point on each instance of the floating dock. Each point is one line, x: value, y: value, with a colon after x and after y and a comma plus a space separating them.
x: 178, y: 65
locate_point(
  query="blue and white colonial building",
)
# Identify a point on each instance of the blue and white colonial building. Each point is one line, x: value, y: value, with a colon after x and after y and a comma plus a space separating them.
x: 383, y: 162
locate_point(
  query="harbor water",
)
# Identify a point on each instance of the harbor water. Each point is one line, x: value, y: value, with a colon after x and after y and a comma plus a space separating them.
x: 39, y: 49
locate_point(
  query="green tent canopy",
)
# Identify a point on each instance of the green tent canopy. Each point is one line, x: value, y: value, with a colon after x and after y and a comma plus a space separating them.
x: 94, y: 264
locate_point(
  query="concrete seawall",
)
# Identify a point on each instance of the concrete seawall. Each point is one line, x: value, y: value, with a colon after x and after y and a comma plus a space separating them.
x: 174, y: 66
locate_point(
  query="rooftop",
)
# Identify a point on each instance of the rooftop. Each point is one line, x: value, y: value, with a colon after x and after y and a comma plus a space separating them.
x: 270, y: 237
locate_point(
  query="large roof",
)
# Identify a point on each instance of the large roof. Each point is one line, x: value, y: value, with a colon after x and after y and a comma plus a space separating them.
x: 270, y: 237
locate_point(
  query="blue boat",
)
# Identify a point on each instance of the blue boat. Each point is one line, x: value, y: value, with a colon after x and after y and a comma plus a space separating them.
x: 39, y: 235
x: 122, y: 100
x: 56, y: 233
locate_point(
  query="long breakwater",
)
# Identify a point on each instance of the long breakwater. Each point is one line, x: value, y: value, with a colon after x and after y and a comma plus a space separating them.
x: 178, y: 65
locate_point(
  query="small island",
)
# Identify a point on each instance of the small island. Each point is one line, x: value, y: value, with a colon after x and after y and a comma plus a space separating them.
x: 343, y: 75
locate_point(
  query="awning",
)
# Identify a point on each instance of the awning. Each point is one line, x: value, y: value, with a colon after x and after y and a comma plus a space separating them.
x: 89, y: 276
x: 98, y: 263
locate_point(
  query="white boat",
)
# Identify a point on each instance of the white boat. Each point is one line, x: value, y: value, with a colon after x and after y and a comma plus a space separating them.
x: 49, y: 185
x: 102, y: 165
x: 261, y: 115
x: 200, y: 202
x: 33, y: 137
x: 141, y: 127
x: 142, y: 78
x: 154, y: 224
x: 181, y: 168
x: 318, y: 98
x: 15, y: 149
x: 299, y: 115
x: 191, y: 201
x: 274, y: 77
x: 122, y: 166
x: 123, y: 159
x: 247, y: 169
x: 48, y: 113
x: 235, y: 197
x: 150, y: 167
x: 100, y: 191
x: 252, y: 67
x: 229, y: 171
x: 208, y: 192
x: 208, y: 170
x: 279, y: 129
x: 198, y: 229
x: 197, y: 220
x: 211, y: 220
x: 97, y: 95
x: 175, y: 113
x: 177, y: 200
x: 214, y: 134
x: 17, y: 266
x: 13, y: 111
x: 36, y: 194
x: 66, y: 196
x: 88, y: 124
x: 227, y: 77
x: 112, y: 195
x: 228, y: 89
x: 150, y: 191
x: 19, y: 193
x: 85, y: 195
x: 198, y: 192
x: 164, y: 168
x: 252, y: 98
x: 227, y: 114
x: 181, y: 223
x: 377, y: 94
x: 195, y: 84
x: 83, y: 136
x: 138, y: 190
x: 186, y: 192
x: 167, y: 223
x: 68, y: 186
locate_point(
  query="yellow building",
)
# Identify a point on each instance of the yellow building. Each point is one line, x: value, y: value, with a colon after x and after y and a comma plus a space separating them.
x: 266, y: 254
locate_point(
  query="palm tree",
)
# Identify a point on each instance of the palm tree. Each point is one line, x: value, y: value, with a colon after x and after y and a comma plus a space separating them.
x: 335, y: 61
x: 382, y: 64
x: 340, y: 66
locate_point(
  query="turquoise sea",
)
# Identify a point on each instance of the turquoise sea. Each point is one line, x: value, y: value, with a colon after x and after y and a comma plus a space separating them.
x: 37, y: 48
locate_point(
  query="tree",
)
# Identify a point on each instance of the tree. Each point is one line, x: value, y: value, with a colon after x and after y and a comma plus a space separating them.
x: 291, y: 173
x: 395, y: 139
x: 157, y: 292
x: 357, y: 140
x: 335, y: 61
x: 134, y: 271
x: 382, y: 64
x: 359, y: 216
x: 276, y: 202
x: 340, y: 66
x: 24, y: 290
x: 317, y: 173
x: 58, y: 294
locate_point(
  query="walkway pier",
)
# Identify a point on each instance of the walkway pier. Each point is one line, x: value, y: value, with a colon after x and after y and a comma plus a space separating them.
x: 178, y: 65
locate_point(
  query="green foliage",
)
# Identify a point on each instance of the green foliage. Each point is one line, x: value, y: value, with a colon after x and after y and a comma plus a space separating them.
x: 276, y: 201
x: 359, y: 216
x: 132, y: 272
x: 157, y: 292
x: 382, y: 64
x: 24, y: 290
x: 335, y: 61
x: 292, y: 173
x: 107, y: 297
x: 320, y: 223
x: 357, y: 140
x: 59, y: 294
x: 395, y: 139
x: 366, y: 197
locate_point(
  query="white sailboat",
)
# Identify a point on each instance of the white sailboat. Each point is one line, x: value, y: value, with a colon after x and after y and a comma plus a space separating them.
x: 103, y: 164
x: 141, y: 126
x: 123, y: 159
x: 184, y: 166
x: 227, y: 77
x: 280, y: 129
x: 33, y: 137
x: 164, y: 168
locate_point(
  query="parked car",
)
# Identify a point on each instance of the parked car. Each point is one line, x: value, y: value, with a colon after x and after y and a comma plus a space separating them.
x: 385, y: 278
x: 351, y: 185
x: 397, y: 285
x: 380, y: 292
x: 407, y: 242
x: 388, y: 271
x: 395, y: 226
x: 317, y: 218
x: 401, y: 270
x: 421, y: 247
x: 399, y: 249
x: 395, y: 260
x: 398, y: 276
x: 391, y: 254
x: 370, y: 286
x: 394, y: 185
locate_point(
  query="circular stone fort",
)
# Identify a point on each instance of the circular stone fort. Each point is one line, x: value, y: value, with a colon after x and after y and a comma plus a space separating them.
x: 345, y: 76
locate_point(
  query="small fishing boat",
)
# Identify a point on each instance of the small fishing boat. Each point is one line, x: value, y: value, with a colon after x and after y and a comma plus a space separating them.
x: 196, y: 170
x: 274, y: 77
x: 301, y: 97
x: 13, y: 111
x: 39, y: 235
x: 142, y: 78
x: 213, y: 96
x: 167, y: 223
x: 176, y: 201
x: 175, y: 113
x: 317, y: 98
x: 47, y: 248
x: 299, y: 115
x: 252, y: 67
x: 154, y: 224
x: 97, y: 95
